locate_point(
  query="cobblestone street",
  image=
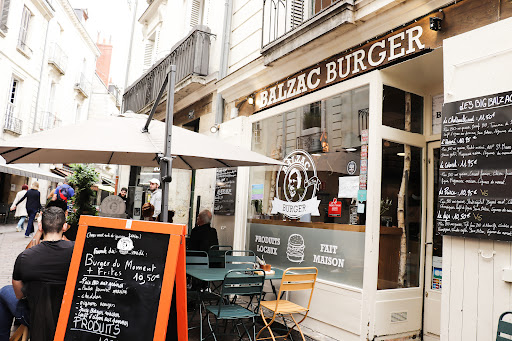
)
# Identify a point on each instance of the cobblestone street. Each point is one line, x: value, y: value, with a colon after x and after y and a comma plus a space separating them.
x: 12, y: 243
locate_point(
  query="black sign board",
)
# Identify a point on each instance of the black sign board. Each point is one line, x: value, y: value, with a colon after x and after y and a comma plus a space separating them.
x: 121, y: 280
x: 225, y: 191
x: 475, y: 188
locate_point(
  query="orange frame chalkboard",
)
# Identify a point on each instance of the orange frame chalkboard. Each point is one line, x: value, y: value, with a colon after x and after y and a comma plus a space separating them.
x: 174, y: 271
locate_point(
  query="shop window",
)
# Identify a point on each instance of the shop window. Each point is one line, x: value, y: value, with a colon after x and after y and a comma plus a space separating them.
x: 395, y: 109
x: 312, y: 212
x: 400, y: 215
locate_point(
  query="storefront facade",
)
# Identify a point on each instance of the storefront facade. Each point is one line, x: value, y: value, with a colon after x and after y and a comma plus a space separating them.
x: 360, y: 134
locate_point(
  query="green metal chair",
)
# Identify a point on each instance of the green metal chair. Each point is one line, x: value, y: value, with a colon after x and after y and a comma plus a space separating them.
x: 198, y: 292
x: 216, y: 254
x: 504, y: 328
x: 239, y: 259
x: 238, y: 283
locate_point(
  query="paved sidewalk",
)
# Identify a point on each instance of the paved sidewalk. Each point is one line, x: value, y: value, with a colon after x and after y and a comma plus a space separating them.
x: 12, y: 243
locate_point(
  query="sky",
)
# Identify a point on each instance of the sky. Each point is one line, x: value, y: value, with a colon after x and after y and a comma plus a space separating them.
x: 111, y: 19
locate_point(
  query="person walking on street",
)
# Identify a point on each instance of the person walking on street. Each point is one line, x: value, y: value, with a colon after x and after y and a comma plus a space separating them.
x: 33, y: 204
x: 64, y: 192
x: 21, y: 210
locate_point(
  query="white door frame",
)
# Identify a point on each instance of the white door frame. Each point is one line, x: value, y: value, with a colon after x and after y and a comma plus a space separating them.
x: 432, y: 297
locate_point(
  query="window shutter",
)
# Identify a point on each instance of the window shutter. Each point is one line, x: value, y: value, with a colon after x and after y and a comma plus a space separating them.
x: 22, y: 39
x: 4, y: 15
x: 148, y: 54
x: 195, y: 13
x: 297, y: 13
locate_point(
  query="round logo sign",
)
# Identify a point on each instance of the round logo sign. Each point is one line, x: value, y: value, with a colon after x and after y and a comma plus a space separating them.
x: 351, y: 167
x: 298, y: 183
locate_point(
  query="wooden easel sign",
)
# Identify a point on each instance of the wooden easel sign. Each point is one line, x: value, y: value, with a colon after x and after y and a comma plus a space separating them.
x: 121, y: 279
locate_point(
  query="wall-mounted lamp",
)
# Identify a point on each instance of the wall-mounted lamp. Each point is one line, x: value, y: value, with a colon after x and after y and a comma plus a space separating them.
x: 214, y: 128
x: 250, y: 99
x: 191, y: 114
x: 435, y: 22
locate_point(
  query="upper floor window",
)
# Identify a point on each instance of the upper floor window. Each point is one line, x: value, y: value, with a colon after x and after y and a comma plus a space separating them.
x: 25, y: 21
x: 4, y: 14
x: 320, y: 5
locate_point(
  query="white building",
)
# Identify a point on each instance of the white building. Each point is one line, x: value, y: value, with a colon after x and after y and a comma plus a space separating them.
x: 360, y: 86
x: 47, y: 64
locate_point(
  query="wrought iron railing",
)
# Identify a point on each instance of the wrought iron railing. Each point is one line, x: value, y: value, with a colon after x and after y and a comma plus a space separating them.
x: 83, y: 85
x: 282, y: 16
x: 12, y: 123
x: 58, y: 58
x: 49, y: 121
x: 191, y: 57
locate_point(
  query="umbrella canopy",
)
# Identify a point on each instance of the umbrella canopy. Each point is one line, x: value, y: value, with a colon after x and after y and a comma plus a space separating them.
x: 120, y: 140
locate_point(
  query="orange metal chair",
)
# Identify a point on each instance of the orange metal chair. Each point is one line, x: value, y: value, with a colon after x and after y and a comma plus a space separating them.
x: 294, y: 279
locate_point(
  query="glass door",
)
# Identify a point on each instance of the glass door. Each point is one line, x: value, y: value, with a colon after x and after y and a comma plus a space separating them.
x: 433, y: 250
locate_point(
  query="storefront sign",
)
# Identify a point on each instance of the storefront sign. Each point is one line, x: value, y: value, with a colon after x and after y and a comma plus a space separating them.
x: 299, y: 185
x: 400, y: 44
x: 475, y: 169
x: 338, y: 255
x: 334, y: 208
x: 397, y: 45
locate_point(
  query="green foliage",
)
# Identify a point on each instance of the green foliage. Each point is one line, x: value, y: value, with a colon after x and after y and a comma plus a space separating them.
x: 83, y: 178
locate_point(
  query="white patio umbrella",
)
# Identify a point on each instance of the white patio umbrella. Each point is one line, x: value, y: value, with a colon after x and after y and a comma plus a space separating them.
x: 120, y: 140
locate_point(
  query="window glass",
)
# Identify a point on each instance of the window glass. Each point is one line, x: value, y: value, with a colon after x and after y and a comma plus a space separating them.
x: 394, y: 109
x: 312, y: 211
x: 400, y: 215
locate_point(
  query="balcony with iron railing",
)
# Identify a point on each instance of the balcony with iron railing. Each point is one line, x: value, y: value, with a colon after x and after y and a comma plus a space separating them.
x: 290, y: 24
x: 191, y: 57
x: 83, y: 86
x: 49, y: 121
x: 11, y: 123
x: 57, y: 58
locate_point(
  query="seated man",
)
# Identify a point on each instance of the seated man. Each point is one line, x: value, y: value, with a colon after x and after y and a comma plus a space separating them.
x: 203, y: 236
x: 36, y: 269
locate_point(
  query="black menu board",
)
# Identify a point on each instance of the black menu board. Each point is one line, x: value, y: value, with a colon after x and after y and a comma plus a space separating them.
x: 225, y: 191
x: 475, y: 187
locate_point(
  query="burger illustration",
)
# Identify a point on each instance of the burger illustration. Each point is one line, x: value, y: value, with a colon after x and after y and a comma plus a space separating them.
x: 295, y: 249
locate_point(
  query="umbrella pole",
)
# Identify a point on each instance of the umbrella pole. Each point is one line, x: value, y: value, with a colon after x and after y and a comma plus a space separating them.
x: 166, y: 161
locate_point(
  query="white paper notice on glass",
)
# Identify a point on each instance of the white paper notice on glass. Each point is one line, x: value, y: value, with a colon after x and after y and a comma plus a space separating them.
x: 348, y: 186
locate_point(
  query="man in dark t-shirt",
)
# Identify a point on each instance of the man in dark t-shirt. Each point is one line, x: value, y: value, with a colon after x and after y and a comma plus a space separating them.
x: 42, y: 265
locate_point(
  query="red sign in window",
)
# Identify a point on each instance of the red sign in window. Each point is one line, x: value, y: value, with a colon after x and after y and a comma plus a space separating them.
x: 334, y: 208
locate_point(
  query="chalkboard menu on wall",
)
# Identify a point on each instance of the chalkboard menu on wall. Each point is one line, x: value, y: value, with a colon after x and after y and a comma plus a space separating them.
x: 118, y: 282
x: 475, y: 189
x: 225, y: 191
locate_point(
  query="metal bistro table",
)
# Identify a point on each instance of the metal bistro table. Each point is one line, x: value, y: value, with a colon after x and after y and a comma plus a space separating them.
x: 217, y: 275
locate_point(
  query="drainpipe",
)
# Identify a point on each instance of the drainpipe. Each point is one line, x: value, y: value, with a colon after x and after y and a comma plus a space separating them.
x: 223, y: 69
x: 41, y: 75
